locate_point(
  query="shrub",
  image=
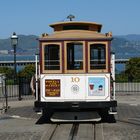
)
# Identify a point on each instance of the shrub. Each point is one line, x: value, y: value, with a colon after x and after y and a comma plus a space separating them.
x: 28, y: 71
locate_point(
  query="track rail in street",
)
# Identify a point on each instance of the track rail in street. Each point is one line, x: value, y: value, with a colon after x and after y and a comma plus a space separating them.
x: 74, y: 131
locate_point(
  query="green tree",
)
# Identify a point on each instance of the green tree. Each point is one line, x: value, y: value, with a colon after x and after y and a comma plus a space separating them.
x: 133, y: 69
x: 28, y: 71
x: 121, y: 77
x: 8, y: 71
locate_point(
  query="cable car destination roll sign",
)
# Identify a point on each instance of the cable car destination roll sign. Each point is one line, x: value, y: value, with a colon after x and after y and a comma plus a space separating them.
x: 52, y: 88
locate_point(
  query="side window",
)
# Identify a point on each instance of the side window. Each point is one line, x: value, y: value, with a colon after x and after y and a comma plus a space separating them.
x: 97, y: 56
x: 74, y: 56
x: 52, y: 57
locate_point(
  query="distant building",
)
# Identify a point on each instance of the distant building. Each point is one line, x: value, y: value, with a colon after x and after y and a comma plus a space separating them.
x: 11, y: 52
x: 3, y: 51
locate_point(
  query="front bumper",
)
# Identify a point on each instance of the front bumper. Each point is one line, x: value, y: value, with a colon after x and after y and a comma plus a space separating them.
x: 79, y: 105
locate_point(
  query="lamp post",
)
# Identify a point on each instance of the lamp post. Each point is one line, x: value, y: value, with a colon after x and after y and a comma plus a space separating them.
x: 14, y: 42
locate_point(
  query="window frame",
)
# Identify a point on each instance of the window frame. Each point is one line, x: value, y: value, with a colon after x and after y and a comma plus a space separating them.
x: 65, y: 53
x: 106, y: 57
x: 43, y: 57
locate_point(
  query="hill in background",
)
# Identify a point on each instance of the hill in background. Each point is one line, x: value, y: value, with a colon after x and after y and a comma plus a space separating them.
x: 27, y: 44
x: 124, y: 46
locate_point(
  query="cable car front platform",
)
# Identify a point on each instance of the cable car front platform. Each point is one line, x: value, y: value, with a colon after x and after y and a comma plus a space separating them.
x: 75, y: 117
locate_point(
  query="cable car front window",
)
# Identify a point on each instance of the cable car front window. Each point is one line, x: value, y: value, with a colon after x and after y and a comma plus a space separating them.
x: 74, y: 56
x: 52, y: 57
x: 97, y: 56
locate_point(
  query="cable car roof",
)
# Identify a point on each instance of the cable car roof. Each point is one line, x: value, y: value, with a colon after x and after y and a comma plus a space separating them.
x: 92, y: 26
x: 76, y: 30
x: 76, y: 34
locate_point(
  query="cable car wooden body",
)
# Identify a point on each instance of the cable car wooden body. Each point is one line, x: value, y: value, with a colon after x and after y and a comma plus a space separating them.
x: 76, y: 69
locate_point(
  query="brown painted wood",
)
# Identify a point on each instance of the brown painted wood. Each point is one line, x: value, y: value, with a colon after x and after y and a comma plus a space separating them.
x: 63, y: 58
x: 40, y: 59
x: 109, y: 57
x: 86, y: 56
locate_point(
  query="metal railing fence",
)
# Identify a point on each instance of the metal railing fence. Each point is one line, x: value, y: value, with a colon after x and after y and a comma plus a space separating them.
x: 129, y: 87
x: 17, y: 88
x: 3, y: 94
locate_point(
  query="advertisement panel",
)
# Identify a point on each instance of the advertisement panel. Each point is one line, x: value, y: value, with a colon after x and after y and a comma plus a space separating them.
x: 52, y: 88
x: 96, y: 86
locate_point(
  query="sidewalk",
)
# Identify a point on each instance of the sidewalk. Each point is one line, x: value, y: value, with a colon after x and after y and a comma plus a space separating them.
x: 22, y: 103
x: 128, y: 99
x: 16, y: 104
x: 23, y: 109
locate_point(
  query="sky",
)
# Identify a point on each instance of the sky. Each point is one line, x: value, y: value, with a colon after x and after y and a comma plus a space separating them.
x: 32, y: 17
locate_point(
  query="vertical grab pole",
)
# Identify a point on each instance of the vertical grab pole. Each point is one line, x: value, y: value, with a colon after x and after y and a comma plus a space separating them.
x: 6, y: 96
x: 36, y: 76
x: 113, y: 72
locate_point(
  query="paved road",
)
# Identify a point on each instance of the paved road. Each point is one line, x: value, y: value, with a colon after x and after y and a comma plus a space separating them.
x: 21, y: 123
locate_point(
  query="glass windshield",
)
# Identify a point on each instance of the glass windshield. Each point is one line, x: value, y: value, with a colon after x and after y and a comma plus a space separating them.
x: 52, y: 57
x: 74, y: 56
x: 97, y: 56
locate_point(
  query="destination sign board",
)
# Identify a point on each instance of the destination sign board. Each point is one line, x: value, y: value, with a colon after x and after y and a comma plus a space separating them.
x: 52, y: 88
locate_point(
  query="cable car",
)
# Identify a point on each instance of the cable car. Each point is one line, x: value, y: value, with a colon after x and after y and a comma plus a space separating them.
x: 76, y: 68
